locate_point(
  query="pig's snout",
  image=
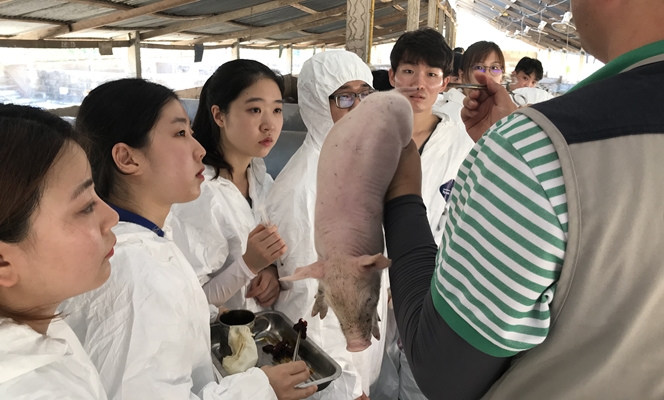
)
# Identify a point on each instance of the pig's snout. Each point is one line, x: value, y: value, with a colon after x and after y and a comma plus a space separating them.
x: 355, y: 346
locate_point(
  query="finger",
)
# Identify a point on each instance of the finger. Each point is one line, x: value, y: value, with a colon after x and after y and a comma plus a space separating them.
x: 276, y: 246
x: 296, y: 367
x: 255, y: 289
x: 271, y: 240
x: 302, y: 376
x: 269, y: 301
x: 256, y: 230
x: 270, y: 293
x: 280, y: 252
x: 265, y: 233
x: 306, y: 392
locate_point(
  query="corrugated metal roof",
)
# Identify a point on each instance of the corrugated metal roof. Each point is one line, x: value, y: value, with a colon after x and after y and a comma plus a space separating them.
x: 202, y: 7
x: 277, y: 16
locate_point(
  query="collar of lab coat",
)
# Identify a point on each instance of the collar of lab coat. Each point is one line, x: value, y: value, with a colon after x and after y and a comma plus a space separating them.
x: 322, y: 75
x: 23, y: 350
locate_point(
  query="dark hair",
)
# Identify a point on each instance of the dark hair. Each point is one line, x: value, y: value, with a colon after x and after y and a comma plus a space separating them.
x: 381, y: 80
x: 122, y: 111
x: 529, y: 65
x: 478, y: 52
x: 423, y: 45
x: 221, y: 89
x: 459, y: 50
x: 31, y: 141
x: 456, y: 65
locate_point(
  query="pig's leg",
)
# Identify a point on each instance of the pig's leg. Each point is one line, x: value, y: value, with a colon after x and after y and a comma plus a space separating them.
x: 319, y: 305
x: 376, y: 330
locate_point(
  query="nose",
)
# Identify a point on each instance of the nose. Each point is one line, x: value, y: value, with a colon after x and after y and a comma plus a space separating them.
x: 270, y: 122
x: 420, y: 81
x: 199, y: 150
x: 109, y: 218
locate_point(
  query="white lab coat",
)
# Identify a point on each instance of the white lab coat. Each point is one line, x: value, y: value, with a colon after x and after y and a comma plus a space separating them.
x: 51, y: 366
x: 212, y: 233
x: 534, y: 95
x: 147, y: 328
x: 291, y: 205
x: 451, y: 103
x: 442, y: 156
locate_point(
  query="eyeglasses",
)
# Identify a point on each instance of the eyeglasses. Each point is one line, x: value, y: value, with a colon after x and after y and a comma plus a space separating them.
x: 494, y: 70
x: 346, y: 100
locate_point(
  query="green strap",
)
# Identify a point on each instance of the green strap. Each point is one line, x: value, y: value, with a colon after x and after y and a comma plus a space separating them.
x: 621, y: 63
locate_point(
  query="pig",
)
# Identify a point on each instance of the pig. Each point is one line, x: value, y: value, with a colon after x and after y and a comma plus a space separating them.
x: 357, y: 162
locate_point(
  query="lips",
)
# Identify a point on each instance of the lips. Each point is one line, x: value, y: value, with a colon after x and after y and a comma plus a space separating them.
x: 110, y: 253
x: 200, y: 173
x: 266, y: 142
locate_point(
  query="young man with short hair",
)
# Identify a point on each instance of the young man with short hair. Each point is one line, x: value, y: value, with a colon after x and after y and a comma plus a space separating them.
x: 527, y: 73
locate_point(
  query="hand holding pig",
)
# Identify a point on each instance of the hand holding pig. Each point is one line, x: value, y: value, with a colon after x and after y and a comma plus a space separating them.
x: 265, y: 287
x: 284, y: 377
x: 264, y: 247
x: 408, y: 177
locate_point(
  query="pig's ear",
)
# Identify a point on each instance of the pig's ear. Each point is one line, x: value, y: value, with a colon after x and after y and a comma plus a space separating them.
x: 315, y: 270
x: 377, y: 261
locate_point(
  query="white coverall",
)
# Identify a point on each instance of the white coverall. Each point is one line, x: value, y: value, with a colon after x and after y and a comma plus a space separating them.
x: 441, y: 159
x: 147, y: 328
x: 534, y: 95
x: 51, y: 366
x: 291, y: 206
x: 451, y: 103
x: 212, y: 233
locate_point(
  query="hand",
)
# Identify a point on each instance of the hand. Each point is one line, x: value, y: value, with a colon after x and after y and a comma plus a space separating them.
x: 264, y: 247
x: 363, y: 397
x: 408, y: 177
x: 284, y: 377
x: 265, y: 287
x: 483, y: 108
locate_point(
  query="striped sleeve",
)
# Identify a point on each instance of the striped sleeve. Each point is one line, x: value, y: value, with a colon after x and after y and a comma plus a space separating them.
x: 504, y: 242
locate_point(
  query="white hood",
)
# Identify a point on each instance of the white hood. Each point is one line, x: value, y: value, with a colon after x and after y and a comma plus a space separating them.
x: 321, y: 76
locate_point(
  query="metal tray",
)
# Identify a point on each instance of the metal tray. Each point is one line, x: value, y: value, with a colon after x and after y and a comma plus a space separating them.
x: 268, y: 325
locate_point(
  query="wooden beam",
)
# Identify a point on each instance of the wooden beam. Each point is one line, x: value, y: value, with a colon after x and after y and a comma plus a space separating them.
x: 30, y: 19
x: 432, y: 16
x: 95, y: 22
x: 321, y: 18
x: 304, y: 8
x: 339, y: 32
x: 358, y: 26
x: 413, y: 14
x: 121, y: 6
x: 59, y: 44
x: 217, y: 19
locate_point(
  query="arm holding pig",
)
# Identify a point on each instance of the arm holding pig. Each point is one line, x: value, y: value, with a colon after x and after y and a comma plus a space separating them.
x: 442, y: 361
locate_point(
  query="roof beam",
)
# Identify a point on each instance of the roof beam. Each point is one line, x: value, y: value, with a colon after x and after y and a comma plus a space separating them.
x: 122, y: 6
x: 321, y: 18
x: 304, y: 8
x: 59, y: 44
x: 95, y: 22
x: 217, y: 19
x: 342, y: 31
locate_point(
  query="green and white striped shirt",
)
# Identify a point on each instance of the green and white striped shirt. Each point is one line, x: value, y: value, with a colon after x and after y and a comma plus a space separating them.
x: 506, y: 234
x: 504, y: 241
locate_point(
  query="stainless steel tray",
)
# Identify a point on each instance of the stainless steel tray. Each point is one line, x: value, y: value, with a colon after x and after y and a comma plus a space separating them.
x: 271, y: 324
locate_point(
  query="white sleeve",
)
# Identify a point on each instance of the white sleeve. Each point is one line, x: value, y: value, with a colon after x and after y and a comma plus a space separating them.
x: 229, y: 281
x: 252, y: 384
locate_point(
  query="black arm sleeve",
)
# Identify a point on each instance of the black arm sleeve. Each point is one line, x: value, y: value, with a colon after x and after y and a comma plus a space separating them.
x: 444, y: 365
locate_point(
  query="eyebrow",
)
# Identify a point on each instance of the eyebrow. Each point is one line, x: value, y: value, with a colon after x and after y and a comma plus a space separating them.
x: 179, y: 120
x: 81, y: 188
x: 255, y: 99
x: 347, y: 87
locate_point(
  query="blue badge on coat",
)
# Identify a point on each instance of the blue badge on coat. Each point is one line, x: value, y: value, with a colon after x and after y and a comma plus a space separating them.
x: 446, y: 189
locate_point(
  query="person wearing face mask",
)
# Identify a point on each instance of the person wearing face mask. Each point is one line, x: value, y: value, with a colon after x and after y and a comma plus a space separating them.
x: 423, y: 61
x: 147, y: 329
x: 238, y: 122
x: 330, y: 85
x: 55, y: 243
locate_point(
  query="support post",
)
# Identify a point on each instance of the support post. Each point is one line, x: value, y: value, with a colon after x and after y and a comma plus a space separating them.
x: 359, y: 18
x: 235, y: 50
x: 432, y: 16
x: 413, y: 21
x: 441, y: 23
x: 289, y: 59
x: 135, y: 55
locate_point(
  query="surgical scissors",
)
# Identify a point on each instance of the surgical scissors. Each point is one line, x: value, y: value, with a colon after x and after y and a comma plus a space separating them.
x: 519, y: 99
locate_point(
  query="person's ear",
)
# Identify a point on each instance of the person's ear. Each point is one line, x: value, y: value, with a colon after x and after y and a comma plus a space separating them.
x: 218, y: 116
x: 127, y: 159
x: 446, y: 81
x: 460, y: 76
x: 8, y: 272
x: 390, y: 74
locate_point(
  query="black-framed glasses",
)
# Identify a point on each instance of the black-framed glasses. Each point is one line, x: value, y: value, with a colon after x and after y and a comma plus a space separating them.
x: 493, y: 70
x: 346, y: 100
